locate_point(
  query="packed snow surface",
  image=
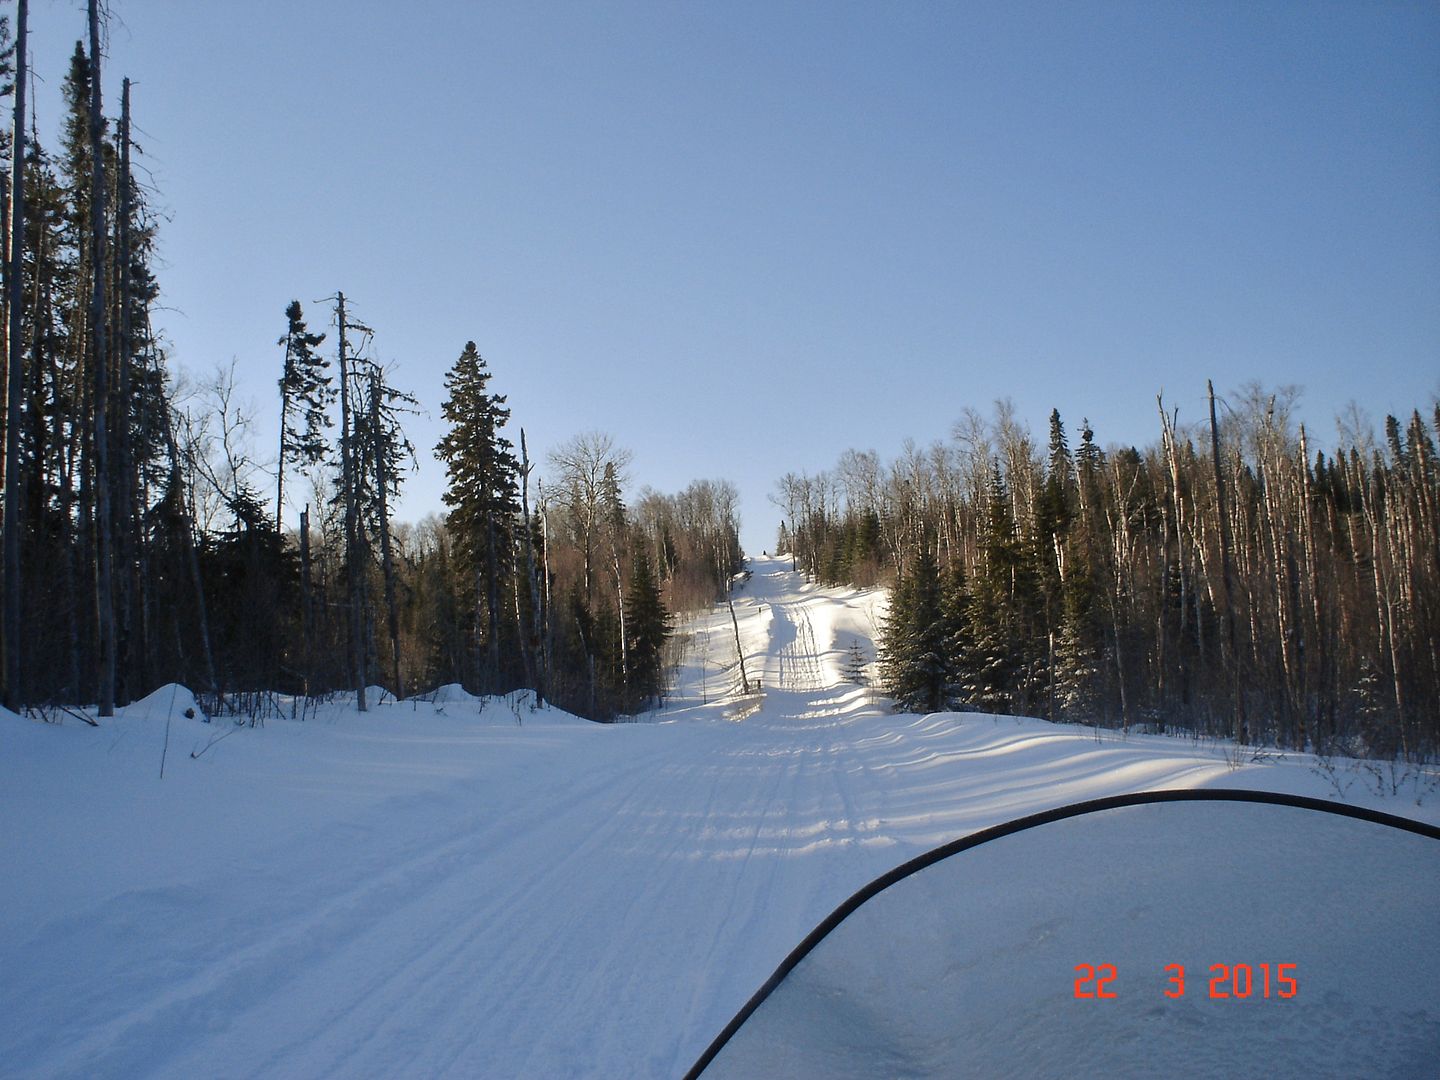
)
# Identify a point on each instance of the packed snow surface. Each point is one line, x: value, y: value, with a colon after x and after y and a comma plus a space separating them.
x: 475, y: 888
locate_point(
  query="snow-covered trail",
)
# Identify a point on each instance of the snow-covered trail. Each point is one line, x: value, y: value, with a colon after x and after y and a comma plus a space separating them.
x: 429, y: 891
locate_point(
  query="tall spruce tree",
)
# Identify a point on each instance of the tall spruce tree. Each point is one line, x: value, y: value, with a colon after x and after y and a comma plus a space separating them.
x: 306, y: 388
x: 1089, y: 464
x: 612, y: 509
x: 483, y: 494
x: 915, y: 664
x: 1054, y: 511
x: 1054, y: 508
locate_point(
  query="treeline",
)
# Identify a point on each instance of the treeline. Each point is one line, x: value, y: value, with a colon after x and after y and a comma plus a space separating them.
x: 566, y: 588
x: 1231, y: 579
x: 558, y: 585
x: 141, y: 542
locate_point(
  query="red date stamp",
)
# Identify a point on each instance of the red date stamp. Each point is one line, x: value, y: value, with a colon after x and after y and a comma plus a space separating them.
x: 1242, y: 981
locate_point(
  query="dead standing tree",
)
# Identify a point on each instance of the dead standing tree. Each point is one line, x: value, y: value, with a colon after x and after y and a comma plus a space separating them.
x: 14, y: 384
x: 354, y: 572
x: 100, y: 361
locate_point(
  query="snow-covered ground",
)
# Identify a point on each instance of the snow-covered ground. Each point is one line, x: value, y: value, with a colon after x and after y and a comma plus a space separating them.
x: 468, y: 889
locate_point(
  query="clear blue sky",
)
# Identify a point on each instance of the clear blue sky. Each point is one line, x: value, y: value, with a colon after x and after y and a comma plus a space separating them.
x: 744, y: 237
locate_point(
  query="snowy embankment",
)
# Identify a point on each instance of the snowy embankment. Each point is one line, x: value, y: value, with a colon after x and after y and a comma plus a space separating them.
x: 465, y: 888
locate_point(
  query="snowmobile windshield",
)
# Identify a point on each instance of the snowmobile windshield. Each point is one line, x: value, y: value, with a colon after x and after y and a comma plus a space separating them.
x: 1169, y: 934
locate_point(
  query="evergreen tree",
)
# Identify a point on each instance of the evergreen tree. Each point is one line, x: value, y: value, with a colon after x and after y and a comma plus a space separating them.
x: 434, y: 582
x: 647, y: 625
x: 897, y: 644
x: 308, y: 389
x: 616, y: 528
x: 1053, y: 509
x: 1368, y: 705
x: 72, y: 380
x: 864, y: 548
x: 1077, y: 662
x: 1054, y: 512
x: 43, y: 475
x: 1420, y: 452
x: 483, y: 493
x: 914, y: 664
x: 855, y: 665
x: 986, y: 666
x: 250, y: 571
x: 1398, y: 457
x: 1089, y: 464
x: 1006, y: 666
x: 959, y: 637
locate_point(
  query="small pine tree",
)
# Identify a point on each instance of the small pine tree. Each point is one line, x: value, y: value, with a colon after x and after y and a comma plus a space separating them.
x: 1368, y: 705
x: 1077, y: 664
x: 855, y: 667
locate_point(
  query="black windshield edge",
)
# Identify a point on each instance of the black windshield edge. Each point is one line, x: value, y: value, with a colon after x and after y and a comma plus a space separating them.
x: 1045, y: 817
